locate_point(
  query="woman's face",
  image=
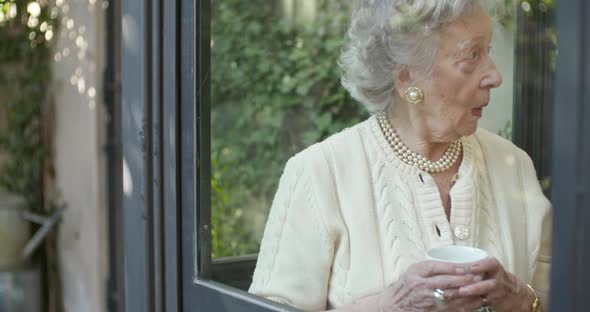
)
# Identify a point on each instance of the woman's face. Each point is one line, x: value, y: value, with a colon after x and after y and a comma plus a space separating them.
x: 463, y: 75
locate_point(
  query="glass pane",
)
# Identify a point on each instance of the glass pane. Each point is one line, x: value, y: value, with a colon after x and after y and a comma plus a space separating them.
x: 497, y: 117
x: 275, y: 89
x: 524, y: 49
x: 535, y: 66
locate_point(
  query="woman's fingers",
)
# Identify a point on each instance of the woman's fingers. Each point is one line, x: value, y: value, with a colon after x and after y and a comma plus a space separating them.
x: 452, y: 281
x: 488, y: 265
x: 430, y: 268
x: 483, y: 288
x: 434, y: 286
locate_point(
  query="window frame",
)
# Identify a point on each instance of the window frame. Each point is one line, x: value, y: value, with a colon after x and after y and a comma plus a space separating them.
x: 571, y: 244
x: 166, y: 147
x: 166, y: 155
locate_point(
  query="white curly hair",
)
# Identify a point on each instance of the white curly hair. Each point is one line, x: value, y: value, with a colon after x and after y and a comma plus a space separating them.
x: 385, y: 36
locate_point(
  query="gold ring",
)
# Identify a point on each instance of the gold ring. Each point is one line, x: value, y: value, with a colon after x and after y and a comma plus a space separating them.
x: 439, y: 295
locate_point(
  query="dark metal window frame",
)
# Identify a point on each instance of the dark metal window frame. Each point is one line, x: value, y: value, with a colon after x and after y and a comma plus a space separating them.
x: 165, y: 129
x: 113, y: 150
x: 570, y: 275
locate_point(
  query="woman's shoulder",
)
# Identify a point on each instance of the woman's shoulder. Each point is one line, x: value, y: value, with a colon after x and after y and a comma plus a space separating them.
x: 506, y: 160
x: 338, y: 147
x: 493, y: 143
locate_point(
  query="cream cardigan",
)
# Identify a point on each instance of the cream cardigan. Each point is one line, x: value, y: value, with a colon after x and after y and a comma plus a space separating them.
x: 349, y: 218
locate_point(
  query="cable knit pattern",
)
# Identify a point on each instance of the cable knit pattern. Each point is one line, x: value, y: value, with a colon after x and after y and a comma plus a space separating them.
x: 274, y: 227
x: 488, y: 219
x: 349, y: 218
x: 395, y: 212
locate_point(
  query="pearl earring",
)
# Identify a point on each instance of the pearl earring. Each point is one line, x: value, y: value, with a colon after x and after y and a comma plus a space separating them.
x: 414, y: 95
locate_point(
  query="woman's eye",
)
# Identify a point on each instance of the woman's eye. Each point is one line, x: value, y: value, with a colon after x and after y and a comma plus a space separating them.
x: 473, y: 55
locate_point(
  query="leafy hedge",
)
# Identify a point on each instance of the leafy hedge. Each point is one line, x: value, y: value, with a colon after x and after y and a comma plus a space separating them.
x: 275, y: 86
x: 25, y: 47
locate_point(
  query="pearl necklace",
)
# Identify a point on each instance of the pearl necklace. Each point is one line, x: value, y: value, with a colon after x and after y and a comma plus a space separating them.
x: 414, y: 159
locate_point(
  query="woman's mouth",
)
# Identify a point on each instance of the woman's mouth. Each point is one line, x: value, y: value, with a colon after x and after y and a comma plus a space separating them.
x: 478, y: 111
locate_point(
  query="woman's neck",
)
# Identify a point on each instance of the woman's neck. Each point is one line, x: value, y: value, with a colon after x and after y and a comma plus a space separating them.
x: 414, y: 131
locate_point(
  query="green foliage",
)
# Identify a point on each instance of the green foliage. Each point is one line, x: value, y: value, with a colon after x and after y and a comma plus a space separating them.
x: 275, y: 86
x: 275, y: 90
x: 24, y: 80
x: 506, y: 131
x: 504, y: 13
x: 539, y: 17
x: 504, y: 10
x: 227, y: 232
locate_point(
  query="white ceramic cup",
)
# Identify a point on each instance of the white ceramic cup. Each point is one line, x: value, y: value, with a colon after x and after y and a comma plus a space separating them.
x: 456, y: 254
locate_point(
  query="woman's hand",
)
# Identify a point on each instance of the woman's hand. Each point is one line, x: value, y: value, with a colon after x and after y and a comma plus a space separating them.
x: 414, y: 291
x: 500, y: 289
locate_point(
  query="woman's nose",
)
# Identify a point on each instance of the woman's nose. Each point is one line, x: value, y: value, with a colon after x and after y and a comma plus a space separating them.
x: 493, y: 78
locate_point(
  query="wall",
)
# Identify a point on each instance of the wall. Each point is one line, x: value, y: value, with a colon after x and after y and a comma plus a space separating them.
x: 79, y: 156
x: 499, y: 110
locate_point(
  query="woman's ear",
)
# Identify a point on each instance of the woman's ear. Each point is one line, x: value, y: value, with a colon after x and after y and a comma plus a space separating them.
x: 403, y: 81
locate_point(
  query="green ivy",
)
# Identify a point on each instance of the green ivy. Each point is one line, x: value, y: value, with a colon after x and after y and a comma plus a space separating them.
x: 275, y: 86
x: 25, y: 57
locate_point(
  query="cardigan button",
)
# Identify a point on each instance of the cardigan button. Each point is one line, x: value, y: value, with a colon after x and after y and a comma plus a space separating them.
x: 461, y: 232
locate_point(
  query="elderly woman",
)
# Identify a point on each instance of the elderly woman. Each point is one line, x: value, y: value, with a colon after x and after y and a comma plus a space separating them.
x: 354, y: 215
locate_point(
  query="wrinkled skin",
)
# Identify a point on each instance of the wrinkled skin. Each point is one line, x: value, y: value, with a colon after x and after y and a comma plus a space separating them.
x: 465, y: 291
x: 504, y: 291
x: 455, y: 94
x: 413, y: 292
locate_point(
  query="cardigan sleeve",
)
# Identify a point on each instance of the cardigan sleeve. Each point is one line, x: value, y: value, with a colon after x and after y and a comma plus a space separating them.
x: 539, y: 227
x: 542, y: 269
x: 296, y: 254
